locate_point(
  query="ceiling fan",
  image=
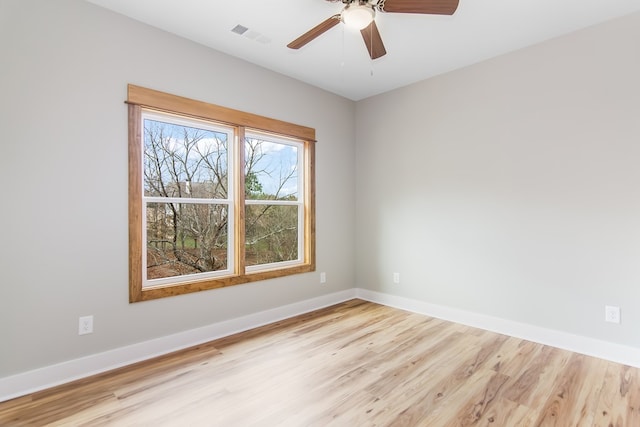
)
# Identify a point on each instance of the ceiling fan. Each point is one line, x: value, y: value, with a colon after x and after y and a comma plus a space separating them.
x: 361, y: 14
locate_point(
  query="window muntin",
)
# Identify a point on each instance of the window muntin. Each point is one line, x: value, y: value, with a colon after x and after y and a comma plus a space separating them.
x: 152, y: 210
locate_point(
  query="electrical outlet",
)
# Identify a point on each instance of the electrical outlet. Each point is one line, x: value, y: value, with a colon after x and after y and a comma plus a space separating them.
x: 612, y: 314
x: 85, y: 325
x: 396, y: 277
x: 323, y: 277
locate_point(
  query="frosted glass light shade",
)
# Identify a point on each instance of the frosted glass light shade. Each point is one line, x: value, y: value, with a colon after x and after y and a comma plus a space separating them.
x: 358, y: 16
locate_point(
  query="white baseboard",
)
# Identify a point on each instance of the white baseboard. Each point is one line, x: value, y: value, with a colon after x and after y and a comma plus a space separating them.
x: 579, y: 344
x: 50, y: 376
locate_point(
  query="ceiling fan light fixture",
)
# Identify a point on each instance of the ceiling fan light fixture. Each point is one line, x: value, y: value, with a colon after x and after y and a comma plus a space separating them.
x: 358, y: 16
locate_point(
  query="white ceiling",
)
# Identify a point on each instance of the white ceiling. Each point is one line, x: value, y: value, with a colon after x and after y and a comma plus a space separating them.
x: 418, y: 46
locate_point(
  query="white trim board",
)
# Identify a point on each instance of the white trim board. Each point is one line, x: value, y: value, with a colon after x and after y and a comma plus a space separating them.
x: 50, y: 376
x: 578, y: 344
x: 61, y: 373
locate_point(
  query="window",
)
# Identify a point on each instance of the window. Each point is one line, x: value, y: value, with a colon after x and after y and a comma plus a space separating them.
x: 217, y: 197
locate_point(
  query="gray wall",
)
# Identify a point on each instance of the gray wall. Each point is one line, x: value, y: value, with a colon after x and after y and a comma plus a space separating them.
x: 63, y: 75
x: 511, y: 188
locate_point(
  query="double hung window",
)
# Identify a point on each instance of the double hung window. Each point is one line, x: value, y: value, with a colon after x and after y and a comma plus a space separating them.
x: 217, y: 197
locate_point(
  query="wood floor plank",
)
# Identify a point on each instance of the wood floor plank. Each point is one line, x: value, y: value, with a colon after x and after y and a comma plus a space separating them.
x: 533, y: 385
x: 441, y: 393
x: 508, y: 413
x: 619, y: 404
x: 352, y: 364
x: 515, y: 356
x: 573, y: 400
x: 478, y: 404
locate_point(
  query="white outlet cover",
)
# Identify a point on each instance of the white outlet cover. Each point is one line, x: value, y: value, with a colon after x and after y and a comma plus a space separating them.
x: 85, y: 325
x: 612, y: 314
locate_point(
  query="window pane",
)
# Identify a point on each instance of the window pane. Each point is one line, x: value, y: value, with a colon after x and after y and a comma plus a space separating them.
x: 186, y: 238
x: 271, y: 234
x: 183, y: 161
x: 271, y: 170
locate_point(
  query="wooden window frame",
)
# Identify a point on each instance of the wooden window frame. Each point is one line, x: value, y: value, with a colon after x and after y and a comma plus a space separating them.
x: 139, y: 99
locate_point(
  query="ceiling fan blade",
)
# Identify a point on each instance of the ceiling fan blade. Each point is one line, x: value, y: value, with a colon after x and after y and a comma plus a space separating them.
x: 373, y: 40
x: 315, y: 32
x: 431, y: 7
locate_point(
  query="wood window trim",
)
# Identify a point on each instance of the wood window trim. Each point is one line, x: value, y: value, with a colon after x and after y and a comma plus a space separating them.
x: 162, y: 101
x: 139, y: 98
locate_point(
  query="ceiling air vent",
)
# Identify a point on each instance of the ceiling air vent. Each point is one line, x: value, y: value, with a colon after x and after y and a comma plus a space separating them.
x: 239, y: 29
x: 250, y: 34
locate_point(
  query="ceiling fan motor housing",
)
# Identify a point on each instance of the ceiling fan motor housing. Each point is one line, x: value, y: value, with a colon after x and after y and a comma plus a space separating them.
x: 372, y: 3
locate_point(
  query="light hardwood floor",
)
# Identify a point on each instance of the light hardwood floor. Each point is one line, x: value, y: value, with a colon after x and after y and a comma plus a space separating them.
x: 353, y: 364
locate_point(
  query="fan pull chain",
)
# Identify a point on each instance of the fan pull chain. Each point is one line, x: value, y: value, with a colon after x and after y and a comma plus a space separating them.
x: 342, y: 62
x: 371, y: 53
